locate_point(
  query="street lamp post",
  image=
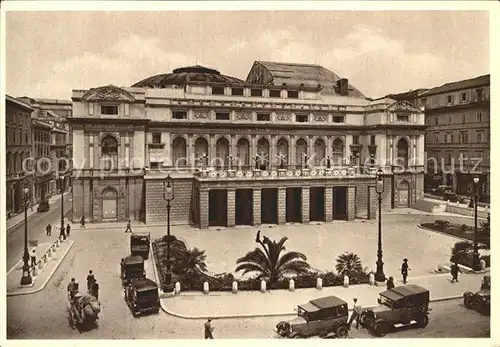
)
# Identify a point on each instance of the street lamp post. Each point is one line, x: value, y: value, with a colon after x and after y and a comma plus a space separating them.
x: 62, y: 234
x: 475, y: 255
x: 26, y: 278
x: 168, y: 195
x: 379, y: 188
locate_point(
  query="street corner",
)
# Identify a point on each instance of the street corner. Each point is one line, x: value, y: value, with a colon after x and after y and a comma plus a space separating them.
x: 51, y: 257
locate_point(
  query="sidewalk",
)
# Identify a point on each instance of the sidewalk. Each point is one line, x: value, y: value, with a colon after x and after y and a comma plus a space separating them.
x: 196, y: 305
x: 19, y: 218
x: 46, y: 268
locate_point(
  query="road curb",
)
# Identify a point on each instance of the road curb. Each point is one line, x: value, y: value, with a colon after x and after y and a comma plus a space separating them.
x: 443, y: 233
x: 48, y: 278
x: 261, y: 315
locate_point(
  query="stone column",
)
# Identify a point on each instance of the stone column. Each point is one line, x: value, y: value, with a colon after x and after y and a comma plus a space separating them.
x: 231, y: 207
x: 372, y: 203
x: 328, y: 204
x: 291, y: 145
x: 306, y: 206
x: 204, y: 202
x: 190, y: 151
x: 253, y: 150
x: 257, y: 201
x: 351, y: 202
x: 212, y: 152
x: 281, y: 205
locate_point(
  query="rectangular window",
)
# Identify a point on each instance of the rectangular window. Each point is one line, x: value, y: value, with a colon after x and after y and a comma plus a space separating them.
x: 479, y: 137
x: 451, y: 138
x: 479, y: 117
x: 463, y: 118
x: 372, y: 139
x: 463, y: 97
x: 275, y: 93
x: 355, y: 139
x: 436, y: 121
x: 301, y: 118
x: 222, y: 115
x: 109, y: 109
x: 403, y: 118
x: 450, y: 99
x: 154, y: 165
x: 338, y: 119
x: 436, y: 137
x: 256, y: 92
x: 293, y: 94
x: 179, y: 115
x: 479, y: 93
x: 464, y: 138
x: 218, y: 90
x: 263, y: 117
x: 156, y: 138
x: 237, y: 91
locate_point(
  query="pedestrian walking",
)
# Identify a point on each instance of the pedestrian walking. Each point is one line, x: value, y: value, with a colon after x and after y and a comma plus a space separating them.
x: 404, y: 270
x: 33, y: 257
x: 82, y: 222
x: 94, y: 289
x: 48, y: 228
x: 390, y: 283
x: 72, y: 288
x: 90, y: 280
x: 209, y: 329
x: 356, y: 313
x: 129, y: 227
x: 454, y: 272
x: 68, y: 229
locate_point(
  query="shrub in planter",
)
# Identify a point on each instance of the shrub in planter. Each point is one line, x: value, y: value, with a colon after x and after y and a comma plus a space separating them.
x: 464, y: 227
x: 463, y: 257
x: 442, y: 224
x: 331, y: 279
x: 461, y: 246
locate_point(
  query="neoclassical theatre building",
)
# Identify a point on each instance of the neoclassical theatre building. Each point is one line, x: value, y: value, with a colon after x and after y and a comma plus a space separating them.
x: 292, y: 143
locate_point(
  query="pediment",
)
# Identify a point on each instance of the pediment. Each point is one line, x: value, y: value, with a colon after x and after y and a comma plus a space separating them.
x: 108, y: 93
x: 404, y: 106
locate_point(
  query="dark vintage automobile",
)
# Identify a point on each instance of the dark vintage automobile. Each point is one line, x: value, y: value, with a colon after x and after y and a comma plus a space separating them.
x: 398, y: 307
x: 479, y: 301
x: 322, y: 316
x: 132, y: 267
x: 142, y: 296
x: 140, y: 244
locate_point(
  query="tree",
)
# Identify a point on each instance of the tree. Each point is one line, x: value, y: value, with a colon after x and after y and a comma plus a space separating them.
x: 190, y: 263
x: 271, y: 261
x: 349, y: 264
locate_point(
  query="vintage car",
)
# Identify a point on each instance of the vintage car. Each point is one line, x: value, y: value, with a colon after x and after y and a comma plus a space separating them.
x: 320, y: 316
x: 399, y: 306
x: 140, y: 244
x: 142, y: 296
x: 479, y: 302
x: 131, y: 267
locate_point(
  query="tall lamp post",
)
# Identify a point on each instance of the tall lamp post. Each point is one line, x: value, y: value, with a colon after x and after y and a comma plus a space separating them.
x: 379, y: 188
x: 26, y: 279
x: 475, y: 255
x: 62, y: 234
x: 168, y: 195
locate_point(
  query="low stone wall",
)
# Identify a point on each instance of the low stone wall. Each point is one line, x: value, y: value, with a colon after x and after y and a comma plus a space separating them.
x: 464, y: 210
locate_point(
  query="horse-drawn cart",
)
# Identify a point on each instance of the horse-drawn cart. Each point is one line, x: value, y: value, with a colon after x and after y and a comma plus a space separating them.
x: 83, y: 311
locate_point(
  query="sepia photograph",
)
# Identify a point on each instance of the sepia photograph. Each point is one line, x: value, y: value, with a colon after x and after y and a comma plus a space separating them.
x: 260, y: 173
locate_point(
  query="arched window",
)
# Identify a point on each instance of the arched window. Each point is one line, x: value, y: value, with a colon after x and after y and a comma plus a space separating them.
x: 337, y: 152
x: 9, y: 163
x: 243, y: 153
x: 300, y: 152
x: 109, y: 150
x: 222, y: 152
x: 200, y: 149
x: 403, y: 152
x: 179, y: 152
x: 282, y: 145
x: 319, y: 152
x: 263, y: 152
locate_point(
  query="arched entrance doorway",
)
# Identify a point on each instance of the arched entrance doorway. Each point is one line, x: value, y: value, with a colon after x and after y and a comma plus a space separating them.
x: 109, y: 204
x: 403, y: 194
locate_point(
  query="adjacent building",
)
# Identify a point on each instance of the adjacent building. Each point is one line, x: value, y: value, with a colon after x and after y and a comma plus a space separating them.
x: 43, y: 173
x: 18, y: 149
x: 289, y: 144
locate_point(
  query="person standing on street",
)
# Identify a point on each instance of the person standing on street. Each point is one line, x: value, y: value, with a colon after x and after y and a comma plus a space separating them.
x: 33, y: 257
x: 129, y: 227
x: 390, y: 283
x: 404, y: 270
x: 94, y: 289
x: 454, y: 272
x: 90, y: 280
x: 356, y: 313
x: 68, y: 229
x: 209, y: 329
x: 48, y: 228
x: 72, y: 288
x: 82, y: 222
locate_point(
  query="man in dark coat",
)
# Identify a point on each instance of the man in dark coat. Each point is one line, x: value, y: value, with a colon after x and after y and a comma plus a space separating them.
x: 404, y: 270
x: 129, y: 227
x: 454, y: 272
x: 90, y: 280
x: 48, y: 228
x: 390, y: 283
x: 94, y: 289
x: 68, y: 229
x: 82, y: 222
x: 209, y: 329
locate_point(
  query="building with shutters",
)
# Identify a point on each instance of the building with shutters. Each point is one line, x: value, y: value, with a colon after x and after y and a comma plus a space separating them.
x: 291, y: 143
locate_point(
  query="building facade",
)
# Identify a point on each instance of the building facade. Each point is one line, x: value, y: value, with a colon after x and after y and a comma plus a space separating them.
x: 260, y: 151
x: 17, y: 151
x: 458, y: 135
x: 43, y: 174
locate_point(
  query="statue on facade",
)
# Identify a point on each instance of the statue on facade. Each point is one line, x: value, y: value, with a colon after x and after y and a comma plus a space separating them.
x: 328, y: 162
x: 204, y: 160
x: 256, y: 159
x: 230, y: 161
x: 306, y: 159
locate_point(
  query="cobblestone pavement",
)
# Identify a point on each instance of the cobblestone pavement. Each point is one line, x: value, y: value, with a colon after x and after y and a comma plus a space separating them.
x: 36, y: 230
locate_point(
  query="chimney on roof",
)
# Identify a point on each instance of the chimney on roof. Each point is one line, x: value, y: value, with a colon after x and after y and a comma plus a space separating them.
x: 343, y: 86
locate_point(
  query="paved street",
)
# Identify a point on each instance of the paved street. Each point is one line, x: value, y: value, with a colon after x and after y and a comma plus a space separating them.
x: 36, y: 230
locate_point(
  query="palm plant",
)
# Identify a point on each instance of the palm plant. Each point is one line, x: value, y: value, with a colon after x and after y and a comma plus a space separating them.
x: 190, y: 263
x: 271, y: 261
x: 349, y: 264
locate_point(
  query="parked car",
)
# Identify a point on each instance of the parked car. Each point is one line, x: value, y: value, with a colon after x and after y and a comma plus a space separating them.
x: 399, y: 306
x: 43, y: 206
x: 479, y: 301
x: 321, y: 317
x: 140, y: 244
x: 131, y: 267
x: 142, y: 296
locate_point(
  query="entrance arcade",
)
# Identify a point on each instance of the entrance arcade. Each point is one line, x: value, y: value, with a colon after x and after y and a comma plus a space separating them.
x: 244, y: 207
x: 269, y: 206
x: 217, y: 207
x: 294, y: 205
